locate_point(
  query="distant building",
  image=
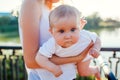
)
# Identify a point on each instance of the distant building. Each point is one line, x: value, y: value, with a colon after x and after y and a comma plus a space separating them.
x: 8, y: 14
x: 5, y: 14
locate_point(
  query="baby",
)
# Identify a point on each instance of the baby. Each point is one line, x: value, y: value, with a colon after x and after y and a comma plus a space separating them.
x: 68, y: 39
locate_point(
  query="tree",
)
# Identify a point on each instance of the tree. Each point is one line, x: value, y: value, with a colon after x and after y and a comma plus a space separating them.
x: 93, y: 21
x: 4, y: 20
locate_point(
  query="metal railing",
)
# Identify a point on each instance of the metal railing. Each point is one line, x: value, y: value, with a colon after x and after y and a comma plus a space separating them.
x: 113, y: 59
x: 12, y: 65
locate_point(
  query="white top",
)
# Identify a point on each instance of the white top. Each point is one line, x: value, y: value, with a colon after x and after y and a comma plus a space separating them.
x: 69, y: 70
x: 44, y: 26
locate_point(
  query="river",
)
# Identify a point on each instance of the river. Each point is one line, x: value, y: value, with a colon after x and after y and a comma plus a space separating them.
x: 110, y: 37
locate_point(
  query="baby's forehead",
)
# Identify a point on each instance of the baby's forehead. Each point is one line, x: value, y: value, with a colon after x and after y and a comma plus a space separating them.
x: 66, y: 24
x: 66, y: 20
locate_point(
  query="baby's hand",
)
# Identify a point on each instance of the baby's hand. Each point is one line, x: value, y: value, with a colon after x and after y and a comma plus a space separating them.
x: 94, y: 52
x: 83, y: 22
x: 57, y: 71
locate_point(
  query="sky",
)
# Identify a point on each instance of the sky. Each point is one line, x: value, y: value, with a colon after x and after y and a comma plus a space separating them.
x: 8, y: 5
x: 105, y: 8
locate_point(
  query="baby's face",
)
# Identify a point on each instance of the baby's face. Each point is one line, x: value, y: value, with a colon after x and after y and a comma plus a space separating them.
x: 66, y: 32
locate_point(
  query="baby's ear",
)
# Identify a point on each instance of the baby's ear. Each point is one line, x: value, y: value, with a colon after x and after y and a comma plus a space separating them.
x: 82, y: 23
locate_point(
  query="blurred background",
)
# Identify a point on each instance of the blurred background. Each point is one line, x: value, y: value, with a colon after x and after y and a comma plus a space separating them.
x: 103, y: 17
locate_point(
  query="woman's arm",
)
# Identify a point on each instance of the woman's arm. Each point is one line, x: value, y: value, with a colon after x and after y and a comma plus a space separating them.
x: 63, y: 60
x: 29, y: 23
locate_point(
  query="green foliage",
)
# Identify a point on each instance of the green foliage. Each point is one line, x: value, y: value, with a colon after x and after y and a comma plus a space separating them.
x: 109, y: 23
x: 7, y: 20
x: 4, y: 20
x: 9, y: 33
x: 85, y: 78
x: 8, y: 28
x: 14, y: 67
x: 93, y: 21
x: 8, y: 24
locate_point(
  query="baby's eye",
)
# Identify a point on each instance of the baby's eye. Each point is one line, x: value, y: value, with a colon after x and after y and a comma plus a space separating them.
x: 61, y: 31
x: 73, y: 29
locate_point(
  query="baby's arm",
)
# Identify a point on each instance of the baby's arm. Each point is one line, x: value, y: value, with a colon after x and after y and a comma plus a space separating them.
x: 96, y: 48
x: 46, y: 64
x: 84, y: 68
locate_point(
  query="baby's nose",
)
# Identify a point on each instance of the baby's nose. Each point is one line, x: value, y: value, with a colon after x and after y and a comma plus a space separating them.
x: 67, y: 35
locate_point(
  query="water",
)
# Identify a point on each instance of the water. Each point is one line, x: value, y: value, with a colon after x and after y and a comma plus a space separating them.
x: 110, y: 37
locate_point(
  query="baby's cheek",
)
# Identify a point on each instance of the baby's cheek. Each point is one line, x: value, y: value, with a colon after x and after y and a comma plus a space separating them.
x: 76, y: 39
x: 59, y: 40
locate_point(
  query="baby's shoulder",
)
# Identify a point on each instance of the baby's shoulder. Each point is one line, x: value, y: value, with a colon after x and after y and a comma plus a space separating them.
x: 84, y: 32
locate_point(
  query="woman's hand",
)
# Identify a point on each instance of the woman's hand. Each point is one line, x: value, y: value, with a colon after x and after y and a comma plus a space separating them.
x: 83, y: 23
x: 83, y: 54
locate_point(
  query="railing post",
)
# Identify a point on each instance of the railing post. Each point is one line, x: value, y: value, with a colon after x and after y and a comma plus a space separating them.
x: 0, y: 66
x: 114, y: 54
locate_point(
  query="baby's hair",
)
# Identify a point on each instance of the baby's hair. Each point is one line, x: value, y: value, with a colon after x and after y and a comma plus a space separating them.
x: 63, y: 12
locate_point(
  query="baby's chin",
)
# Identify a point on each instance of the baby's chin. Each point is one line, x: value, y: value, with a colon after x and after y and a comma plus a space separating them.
x: 67, y: 45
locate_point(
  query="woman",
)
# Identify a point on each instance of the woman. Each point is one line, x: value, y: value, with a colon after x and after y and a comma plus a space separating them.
x: 33, y: 20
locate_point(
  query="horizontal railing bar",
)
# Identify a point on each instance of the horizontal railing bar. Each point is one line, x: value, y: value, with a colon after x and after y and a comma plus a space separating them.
x: 10, y: 47
x: 110, y: 49
x: 19, y: 47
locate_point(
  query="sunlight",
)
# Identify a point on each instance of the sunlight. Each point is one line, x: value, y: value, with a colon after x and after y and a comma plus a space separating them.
x: 105, y: 8
x: 8, y: 5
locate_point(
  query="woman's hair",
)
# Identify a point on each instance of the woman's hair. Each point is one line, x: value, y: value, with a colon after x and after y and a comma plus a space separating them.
x: 49, y: 3
x: 63, y: 12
